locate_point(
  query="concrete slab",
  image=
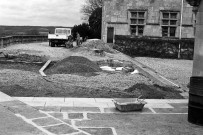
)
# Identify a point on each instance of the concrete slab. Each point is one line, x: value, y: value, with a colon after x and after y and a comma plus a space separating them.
x: 61, y: 129
x: 89, y: 104
x: 57, y: 103
x: 80, y: 109
x: 98, y: 131
x: 4, y: 97
x: 24, y: 99
x: 49, y: 99
x: 75, y: 115
x: 49, y: 108
x: 158, y: 105
x: 86, y: 100
x: 46, y: 121
x: 35, y: 103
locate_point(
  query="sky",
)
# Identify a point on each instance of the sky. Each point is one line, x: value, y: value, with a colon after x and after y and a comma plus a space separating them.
x: 40, y: 12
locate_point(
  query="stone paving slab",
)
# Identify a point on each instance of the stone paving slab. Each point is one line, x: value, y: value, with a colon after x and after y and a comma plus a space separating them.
x: 98, y: 131
x: 80, y: 109
x: 171, y: 110
x: 58, y: 103
x: 46, y: 121
x: 61, y: 129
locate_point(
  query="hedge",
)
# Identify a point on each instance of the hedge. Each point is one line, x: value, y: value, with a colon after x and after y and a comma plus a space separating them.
x: 154, y: 46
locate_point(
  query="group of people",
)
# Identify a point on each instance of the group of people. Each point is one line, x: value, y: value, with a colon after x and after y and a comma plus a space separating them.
x: 79, y: 40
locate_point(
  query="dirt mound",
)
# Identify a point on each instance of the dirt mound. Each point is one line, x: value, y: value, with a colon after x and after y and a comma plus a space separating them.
x: 98, y: 44
x: 74, y: 65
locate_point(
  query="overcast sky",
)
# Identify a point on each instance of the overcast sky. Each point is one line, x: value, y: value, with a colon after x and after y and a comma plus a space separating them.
x: 40, y: 12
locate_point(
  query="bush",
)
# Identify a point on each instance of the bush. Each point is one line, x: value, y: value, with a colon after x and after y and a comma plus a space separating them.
x: 154, y: 46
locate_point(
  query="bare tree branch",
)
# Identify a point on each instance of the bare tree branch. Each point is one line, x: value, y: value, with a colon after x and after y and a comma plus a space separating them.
x: 90, y: 6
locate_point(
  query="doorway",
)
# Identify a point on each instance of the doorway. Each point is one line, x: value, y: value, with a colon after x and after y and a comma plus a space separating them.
x: 110, y: 34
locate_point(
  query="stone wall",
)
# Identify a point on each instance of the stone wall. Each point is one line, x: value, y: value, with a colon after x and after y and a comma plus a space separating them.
x: 116, y: 14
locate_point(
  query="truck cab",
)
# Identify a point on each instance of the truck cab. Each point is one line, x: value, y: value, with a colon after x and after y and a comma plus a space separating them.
x: 60, y: 37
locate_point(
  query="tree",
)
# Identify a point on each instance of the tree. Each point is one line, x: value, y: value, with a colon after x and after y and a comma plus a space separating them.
x: 83, y: 29
x: 89, y: 7
x: 95, y: 22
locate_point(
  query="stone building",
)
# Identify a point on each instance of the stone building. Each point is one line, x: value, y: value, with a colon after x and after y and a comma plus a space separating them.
x: 159, y: 18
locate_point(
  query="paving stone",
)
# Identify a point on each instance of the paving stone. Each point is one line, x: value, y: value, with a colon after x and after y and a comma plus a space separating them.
x: 57, y: 103
x: 24, y: 98
x: 159, y: 105
x: 179, y: 105
x: 89, y: 104
x: 80, y: 133
x: 171, y: 110
x: 60, y: 116
x: 98, y: 131
x: 12, y: 103
x: 80, y: 109
x: 26, y: 111
x: 85, y: 100
x: 114, y: 110
x: 61, y: 129
x: 46, y: 121
x: 57, y: 99
x: 75, y: 116
x: 35, y: 103
x: 104, y: 100
x: 51, y: 108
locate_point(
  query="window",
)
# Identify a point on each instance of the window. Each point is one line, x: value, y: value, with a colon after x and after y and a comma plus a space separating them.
x: 137, y: 22
x: 169, y: 23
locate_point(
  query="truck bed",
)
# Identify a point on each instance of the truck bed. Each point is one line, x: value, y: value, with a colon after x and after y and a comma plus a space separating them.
x: 54, y: 36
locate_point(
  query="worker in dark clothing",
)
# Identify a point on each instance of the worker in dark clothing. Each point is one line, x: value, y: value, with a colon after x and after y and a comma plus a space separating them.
x: 78, y: 39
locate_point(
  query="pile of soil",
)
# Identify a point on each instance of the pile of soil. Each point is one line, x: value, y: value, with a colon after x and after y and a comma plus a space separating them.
x: 98, y: 44
x: 74, y: 65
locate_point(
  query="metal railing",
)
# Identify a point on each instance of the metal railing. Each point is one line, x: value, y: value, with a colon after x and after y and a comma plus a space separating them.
x: 9, y: 40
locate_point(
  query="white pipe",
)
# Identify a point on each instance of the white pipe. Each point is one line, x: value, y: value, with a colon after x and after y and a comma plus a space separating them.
x: 41, y: 71
x: 180, y: 30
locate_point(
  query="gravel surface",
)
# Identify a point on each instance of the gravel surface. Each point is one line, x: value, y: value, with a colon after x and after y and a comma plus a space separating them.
x: 19, y: 80
x: 39, y: 49
x: 178, y: 71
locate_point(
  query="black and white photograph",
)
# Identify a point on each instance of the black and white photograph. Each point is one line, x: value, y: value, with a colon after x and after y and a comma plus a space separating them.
x: 101, y: 67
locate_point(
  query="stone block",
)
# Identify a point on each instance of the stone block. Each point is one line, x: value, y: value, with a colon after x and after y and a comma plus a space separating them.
x: 61, y: 129
x: 46, y: 121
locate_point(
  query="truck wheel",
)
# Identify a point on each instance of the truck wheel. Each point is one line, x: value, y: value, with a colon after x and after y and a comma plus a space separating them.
x: 52, y: 44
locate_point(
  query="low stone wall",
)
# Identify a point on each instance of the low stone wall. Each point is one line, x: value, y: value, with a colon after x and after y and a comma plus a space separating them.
x: 154, y: 47
x: 9, y: 40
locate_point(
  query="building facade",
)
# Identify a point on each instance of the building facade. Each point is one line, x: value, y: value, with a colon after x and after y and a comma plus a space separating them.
x: 158, y: 18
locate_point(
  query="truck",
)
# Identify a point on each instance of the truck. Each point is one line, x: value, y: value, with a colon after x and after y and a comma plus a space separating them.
x: 60, y: 37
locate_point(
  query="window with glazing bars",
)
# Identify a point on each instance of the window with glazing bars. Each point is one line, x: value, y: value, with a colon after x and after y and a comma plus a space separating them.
x: 169, y: 23
x: 137, y: 22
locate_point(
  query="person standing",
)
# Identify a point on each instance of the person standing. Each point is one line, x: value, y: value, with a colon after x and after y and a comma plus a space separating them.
x: 78, y: 39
